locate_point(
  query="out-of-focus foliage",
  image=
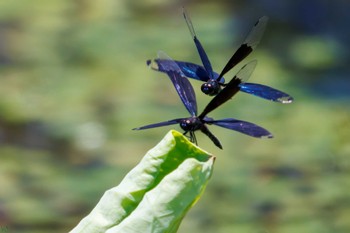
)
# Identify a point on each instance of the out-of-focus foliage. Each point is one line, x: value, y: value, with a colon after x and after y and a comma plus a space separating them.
x: 74, y: 82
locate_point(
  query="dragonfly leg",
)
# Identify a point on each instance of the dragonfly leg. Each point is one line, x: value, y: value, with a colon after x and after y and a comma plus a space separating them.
x: 193, y: 137
x: 190, y: 137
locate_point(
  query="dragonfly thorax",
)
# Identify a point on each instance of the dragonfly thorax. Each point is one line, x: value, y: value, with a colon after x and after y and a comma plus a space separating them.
x: 212, y: 87
x: 191, y: 124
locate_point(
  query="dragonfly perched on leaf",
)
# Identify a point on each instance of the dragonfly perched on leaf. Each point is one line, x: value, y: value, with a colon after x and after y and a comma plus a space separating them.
x: 199, y: 122
x: 214, y: 82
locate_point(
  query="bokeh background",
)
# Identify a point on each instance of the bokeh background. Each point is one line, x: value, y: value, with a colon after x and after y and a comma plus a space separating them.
x: 74, y: 83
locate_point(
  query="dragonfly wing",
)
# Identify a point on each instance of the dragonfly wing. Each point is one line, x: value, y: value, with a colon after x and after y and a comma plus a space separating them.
x: 181, y: 84
x: 200, y: 49
x: 160, y: 124
x: 246, y: 71
x: 266, y: 92
x: 189, y: 69
x: 242, y: 127
x: 195, y: 71
x: 230, y: 89
x: 249, y: 44
x: 255, y: 35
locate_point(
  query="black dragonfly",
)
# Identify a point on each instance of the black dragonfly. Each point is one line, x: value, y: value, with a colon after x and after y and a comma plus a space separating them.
x: 214, y: 82
x: 198, y: 122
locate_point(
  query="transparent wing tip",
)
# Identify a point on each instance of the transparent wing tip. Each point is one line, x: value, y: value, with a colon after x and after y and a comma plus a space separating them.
x: 188, y: 22
x: 263, y: 19
x: 267, y: 136
x: 183, y: 10
x: 286, y: 100
x: 152, y: 64
x: 184, y: 13
x: 255, y: 35
x: 246, y: 71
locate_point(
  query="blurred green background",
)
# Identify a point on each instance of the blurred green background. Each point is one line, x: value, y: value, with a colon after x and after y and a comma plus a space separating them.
x: 74, y: 83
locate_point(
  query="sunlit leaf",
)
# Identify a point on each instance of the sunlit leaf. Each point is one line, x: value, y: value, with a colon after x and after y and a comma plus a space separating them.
x: 157, y: 193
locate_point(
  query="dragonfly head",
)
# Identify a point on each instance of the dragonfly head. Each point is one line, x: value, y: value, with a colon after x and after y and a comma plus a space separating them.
x: 191, y: 124
x: 212, y: 87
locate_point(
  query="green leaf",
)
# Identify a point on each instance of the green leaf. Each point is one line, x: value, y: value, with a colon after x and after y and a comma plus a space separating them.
x: 156, y: 194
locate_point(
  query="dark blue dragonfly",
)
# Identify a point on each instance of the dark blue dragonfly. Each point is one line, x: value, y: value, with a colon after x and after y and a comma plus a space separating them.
x: 198, y: 122
x: 214, y: 82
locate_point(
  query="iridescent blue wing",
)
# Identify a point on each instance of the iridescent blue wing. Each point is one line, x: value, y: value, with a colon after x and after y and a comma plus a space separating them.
x: 230, y: 89
x: 244, y: 127
x: 266, y: 92
x: 200, y: 49
x: 181, y: 84
x: 195, y: 71
x: 248, y: 45
x: 160, y: 124
x: 189, y: 69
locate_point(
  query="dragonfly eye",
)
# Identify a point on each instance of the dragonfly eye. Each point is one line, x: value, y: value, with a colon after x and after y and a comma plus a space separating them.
x: 211, y: 88
x: 207, y: 88
x: 190, y: 124
x: 186, y: 124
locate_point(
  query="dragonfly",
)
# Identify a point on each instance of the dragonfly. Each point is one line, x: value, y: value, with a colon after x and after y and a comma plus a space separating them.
x: 214, y: 82
x: 199, y: 122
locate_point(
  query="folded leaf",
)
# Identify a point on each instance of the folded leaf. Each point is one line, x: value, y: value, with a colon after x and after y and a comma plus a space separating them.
x: 156, y: 194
